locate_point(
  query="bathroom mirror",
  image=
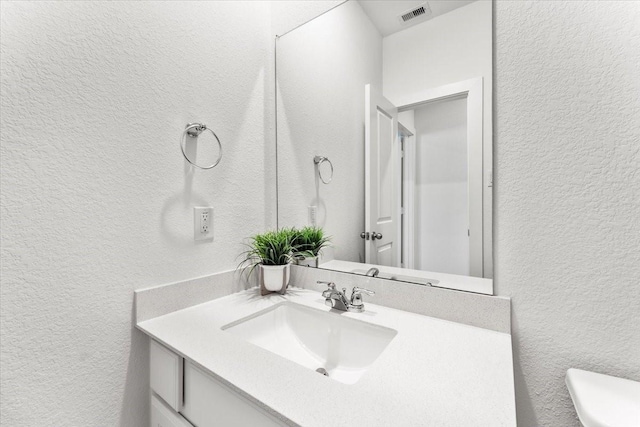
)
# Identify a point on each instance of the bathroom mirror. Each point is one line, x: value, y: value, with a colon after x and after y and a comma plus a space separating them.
x: 384, y: 138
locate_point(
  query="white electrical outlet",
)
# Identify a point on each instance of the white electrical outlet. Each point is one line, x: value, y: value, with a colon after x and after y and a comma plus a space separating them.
x: 313, y: 212
x: 203, y: 223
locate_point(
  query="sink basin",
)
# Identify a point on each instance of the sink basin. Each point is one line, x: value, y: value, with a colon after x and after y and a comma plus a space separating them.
x: 326, y: 342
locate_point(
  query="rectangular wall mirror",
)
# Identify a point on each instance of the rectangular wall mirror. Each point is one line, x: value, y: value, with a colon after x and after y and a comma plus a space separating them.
x: 384, y: 139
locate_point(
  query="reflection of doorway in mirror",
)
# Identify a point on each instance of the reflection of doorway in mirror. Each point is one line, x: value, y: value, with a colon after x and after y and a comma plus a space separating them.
x: 436, y: 156
x: 406, y: 136
x: 439, y: 187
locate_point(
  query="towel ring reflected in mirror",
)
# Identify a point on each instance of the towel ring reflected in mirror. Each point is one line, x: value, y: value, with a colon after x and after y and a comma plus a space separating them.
x: 193, y: 130
x: 318, y: 160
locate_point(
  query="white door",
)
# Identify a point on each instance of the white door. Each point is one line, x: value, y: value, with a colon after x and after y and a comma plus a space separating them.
x: 382, y: 180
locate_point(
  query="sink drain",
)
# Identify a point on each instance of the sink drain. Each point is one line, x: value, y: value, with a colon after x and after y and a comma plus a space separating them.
x: 322, y: 371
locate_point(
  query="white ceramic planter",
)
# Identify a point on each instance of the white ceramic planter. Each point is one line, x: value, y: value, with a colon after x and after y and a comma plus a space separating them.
x: 275, y: 278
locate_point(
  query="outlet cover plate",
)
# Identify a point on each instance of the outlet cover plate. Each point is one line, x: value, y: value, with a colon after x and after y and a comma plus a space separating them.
x: 203, y: 223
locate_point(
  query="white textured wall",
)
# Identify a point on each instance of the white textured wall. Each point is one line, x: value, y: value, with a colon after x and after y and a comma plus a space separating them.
x: 285, y: 15
x: 96, y: 198
x: 288, y: 14
x: 567, y: 190
x: 567, y: 193
x: 447, y: 49
x: 322, y: 69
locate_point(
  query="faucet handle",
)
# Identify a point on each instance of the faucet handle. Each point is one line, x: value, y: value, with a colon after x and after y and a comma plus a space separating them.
x: 356, y: 299
x: 361, y: 290
x: 331, y: 288
x: 331, y: 285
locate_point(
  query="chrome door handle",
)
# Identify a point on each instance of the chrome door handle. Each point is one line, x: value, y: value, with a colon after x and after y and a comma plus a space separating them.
x: 365, y: 235
x: 375, y: 236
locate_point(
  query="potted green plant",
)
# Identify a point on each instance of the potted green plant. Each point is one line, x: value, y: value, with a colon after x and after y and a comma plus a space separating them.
x: 271, y: 253
x: 308, y: 243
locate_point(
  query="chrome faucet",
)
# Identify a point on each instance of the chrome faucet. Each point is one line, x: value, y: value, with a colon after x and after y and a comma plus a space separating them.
x: 338, y: 300
x: 333, y: 297
x: 373, y: 272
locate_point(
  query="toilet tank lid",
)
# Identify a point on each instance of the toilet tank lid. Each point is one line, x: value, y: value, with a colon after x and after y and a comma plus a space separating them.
x: 604, y: 401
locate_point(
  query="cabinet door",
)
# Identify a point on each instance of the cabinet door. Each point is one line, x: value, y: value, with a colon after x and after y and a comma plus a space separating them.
x: 209, y: 403
x: 166, y: 374
x: 163, y: 416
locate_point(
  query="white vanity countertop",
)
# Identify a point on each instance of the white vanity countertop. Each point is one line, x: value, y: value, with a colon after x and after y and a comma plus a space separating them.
x: 434, y: 372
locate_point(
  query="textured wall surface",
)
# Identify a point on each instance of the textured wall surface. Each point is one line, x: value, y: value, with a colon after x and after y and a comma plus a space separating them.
x: 282, y: 16
x: 94, y: 98
x: 322, y: 69
x: 288, y: 14
x: 96, y: 197
x: 285, y: 16
x: 567, y: 193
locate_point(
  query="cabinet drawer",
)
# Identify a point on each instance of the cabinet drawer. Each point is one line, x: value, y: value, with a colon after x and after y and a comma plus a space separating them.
x: 209, y: 403
x: 166, y: 373
x: 163, y: 416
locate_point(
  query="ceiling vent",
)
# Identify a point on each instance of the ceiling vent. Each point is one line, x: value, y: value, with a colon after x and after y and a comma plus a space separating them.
x: 416, y: 12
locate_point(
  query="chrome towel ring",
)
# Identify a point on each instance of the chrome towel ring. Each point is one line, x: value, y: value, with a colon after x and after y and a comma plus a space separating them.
x: 193, y: 130
x: 318, y: 160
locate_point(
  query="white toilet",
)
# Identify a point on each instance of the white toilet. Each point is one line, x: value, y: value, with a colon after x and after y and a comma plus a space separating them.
x: 603, y: 400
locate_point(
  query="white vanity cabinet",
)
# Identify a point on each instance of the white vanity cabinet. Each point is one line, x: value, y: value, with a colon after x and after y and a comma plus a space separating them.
x: 186, y: 396
x: 166, y: 375
x: 163, y: 416
x: 209, y: 403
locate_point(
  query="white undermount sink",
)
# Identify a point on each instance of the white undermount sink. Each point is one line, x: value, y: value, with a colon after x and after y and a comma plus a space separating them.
x: 341, y: 346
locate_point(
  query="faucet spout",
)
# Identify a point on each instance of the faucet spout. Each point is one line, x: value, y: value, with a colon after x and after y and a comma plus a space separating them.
x: 338, y: 300
x: 333, y: 297
x: 373, y: 272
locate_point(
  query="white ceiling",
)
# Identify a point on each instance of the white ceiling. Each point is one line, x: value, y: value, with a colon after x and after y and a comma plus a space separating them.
x: 384, y: 13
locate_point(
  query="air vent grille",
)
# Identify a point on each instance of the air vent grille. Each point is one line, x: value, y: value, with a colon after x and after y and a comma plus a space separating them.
x: 413, y: 14
x: 422, y: 10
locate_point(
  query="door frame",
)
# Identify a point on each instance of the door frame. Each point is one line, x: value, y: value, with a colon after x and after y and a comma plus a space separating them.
x: 472, y: 89
x: 407, y: 214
